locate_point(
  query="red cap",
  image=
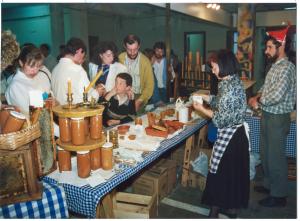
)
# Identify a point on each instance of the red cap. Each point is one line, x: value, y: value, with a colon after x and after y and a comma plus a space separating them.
x: 279, y: 35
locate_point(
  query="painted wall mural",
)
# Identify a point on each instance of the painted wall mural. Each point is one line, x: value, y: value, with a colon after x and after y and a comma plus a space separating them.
x: 246, y: 27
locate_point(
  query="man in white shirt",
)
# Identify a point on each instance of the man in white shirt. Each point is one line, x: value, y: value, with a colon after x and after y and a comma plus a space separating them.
x: 69, y: 68
x: 160, y: 69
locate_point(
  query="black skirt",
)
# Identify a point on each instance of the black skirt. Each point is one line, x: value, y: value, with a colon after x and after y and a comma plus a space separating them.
x: 229, y: 187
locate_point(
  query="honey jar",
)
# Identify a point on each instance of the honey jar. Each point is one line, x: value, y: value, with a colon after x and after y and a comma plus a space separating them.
x: 107, y: 156
x: 83, y: 164
x: 78, y: 131
x: 87, y: 126
x: 4, y: 114
x: 96, y: 126
x: 64, y: 160
x: 95, y: 156
x: 64, y: 129
x: 113, y: 137
x: 138, y: 121
x: 14, y: 122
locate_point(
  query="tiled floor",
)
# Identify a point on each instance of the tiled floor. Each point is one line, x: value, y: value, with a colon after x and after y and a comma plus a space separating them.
x: 191, y: 197
x: 185, y: 203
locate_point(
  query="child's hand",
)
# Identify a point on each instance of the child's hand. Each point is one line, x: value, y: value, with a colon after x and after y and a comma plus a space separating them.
x: 130, y: 94
x: 113, y: 122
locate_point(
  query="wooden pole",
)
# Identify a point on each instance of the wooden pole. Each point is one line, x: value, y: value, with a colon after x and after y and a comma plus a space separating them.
x: 168, y: 47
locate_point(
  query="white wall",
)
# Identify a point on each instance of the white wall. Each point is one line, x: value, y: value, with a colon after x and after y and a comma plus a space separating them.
x: 275, y: 18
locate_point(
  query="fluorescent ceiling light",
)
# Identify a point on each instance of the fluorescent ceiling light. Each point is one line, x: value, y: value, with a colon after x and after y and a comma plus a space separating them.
x: 292, y: 8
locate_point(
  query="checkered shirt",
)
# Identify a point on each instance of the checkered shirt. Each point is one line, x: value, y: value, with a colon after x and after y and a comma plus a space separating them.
x: 223, y: 138
x: 279, y: 89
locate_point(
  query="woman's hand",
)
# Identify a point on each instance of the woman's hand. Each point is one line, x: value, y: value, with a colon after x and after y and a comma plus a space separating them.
x: 202, y: 109
x: 51, y: 101
x: 101, y: 89
x: 205, y: 97
x: 197, y: 106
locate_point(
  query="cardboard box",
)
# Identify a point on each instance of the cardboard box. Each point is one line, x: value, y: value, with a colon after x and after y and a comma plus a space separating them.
x: 171, y: 167
x: 129, y: 205
x: 152, y: 182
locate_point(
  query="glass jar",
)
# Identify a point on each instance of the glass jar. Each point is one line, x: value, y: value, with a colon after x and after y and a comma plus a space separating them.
x: 96, y: 126
x: 83, y: 164
x: 64, y: 160
x: 64, y: 129
x: 4, y: 114
x: 107, y: 156
x: 14, y: 122
x: 95, y: 156
x: 78, y: 131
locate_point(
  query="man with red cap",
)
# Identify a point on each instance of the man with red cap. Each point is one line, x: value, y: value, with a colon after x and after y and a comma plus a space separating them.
x: 277, y: 99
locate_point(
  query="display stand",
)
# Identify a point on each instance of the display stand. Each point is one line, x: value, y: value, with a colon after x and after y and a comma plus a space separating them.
x: 81, y: 111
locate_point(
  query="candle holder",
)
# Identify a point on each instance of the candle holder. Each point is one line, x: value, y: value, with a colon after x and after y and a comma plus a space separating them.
x: 69, y: 100
x: 85, y: 102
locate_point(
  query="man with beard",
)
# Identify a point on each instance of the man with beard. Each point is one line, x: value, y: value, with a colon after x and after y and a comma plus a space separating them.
x: 160, y: 69
x: 139, y: 67
x: 276, y: 99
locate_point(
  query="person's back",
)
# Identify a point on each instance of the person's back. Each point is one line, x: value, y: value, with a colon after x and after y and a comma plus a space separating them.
x: 66, y: 70
x: 69, y: 68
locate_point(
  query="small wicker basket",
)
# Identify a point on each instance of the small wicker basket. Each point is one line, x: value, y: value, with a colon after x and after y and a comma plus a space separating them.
x: 12, y: 141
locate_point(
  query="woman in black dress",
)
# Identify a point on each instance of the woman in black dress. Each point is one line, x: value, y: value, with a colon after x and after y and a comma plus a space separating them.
x: 228, y: 181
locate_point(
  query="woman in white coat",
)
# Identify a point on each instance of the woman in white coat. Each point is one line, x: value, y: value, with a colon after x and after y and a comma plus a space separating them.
x: 105, y: 58
x: 28, y: 77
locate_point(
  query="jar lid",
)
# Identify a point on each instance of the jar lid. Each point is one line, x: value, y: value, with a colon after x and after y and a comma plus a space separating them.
x: 18, y: 115
x: 83, y: 152
x: 77, y: 118
x: 9, y: 108
x: 59, y: 148
x: 107, y: 145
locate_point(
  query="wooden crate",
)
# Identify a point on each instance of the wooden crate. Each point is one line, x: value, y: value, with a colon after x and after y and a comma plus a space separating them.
x: 170, y: 166
x: 196, y: 180
x: 19, y: 181
x: 134, y: 206
x: 152, y: 182
x: 178, y: 155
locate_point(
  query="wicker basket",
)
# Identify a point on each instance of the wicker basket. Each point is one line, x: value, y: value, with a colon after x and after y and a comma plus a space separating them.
x: 12, y: 141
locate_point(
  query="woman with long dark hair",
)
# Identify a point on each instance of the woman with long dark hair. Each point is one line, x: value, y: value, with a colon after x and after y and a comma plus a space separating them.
x: 227, y: 185
x: 105, y: 58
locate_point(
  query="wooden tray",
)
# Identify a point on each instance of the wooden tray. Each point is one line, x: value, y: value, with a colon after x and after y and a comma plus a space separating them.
x: 90, y: 144
x: 156, y: 133
x: 78, y: 112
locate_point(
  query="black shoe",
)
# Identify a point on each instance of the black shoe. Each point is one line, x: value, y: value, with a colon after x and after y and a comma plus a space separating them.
x: 261, y: 189
x: 273, y: 202
x: 229, y: 214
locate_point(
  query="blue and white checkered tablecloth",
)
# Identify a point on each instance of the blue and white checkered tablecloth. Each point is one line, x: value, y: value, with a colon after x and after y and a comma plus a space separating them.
x: 84, y: 200
x: 254, y: 125
x: 52, y: 205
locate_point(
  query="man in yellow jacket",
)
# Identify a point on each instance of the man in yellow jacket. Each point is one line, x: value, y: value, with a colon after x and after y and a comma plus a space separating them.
x: 139, y: 67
